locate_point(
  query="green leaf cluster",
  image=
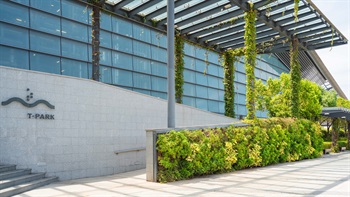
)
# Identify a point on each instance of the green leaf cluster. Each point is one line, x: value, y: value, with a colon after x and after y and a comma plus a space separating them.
x: 229, y: 58
x: 186, y: 154
x: 341, y: 102
x: 329, y: 98
x: 250, y: 59
x: 276, y: 97
x: 295, y: 73
x: 179, y: 67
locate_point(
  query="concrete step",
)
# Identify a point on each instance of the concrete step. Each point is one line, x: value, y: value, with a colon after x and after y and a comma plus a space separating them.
x: 20, y: 179
x: 5, y: 168
x: 11, y: 191
x: 14, y: 173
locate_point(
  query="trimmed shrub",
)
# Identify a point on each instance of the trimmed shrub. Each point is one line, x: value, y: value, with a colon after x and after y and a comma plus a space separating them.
x: 185, y: 154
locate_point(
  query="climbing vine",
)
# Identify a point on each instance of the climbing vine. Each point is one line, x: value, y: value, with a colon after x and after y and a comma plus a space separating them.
x: 229, y: 58
x: 295, y: 77
x: 250, y: 59
x: 179, y: 67
x: 296, y: 9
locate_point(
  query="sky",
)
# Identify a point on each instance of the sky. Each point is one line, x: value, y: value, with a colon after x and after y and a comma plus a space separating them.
x: 337, y: 59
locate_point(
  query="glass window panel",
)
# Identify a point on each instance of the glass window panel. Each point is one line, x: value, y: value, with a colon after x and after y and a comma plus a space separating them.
x: 159, y: 69
x: 122, y: 43
x: 213, y: 94
x: 221, y: 95
x: 189, y: 101
x: 106, y: 21
x: 105, y: 56
x: 221, y: 107
x: 142, y: 81
x: 189, y: 76
x: 105, y: 39
x: 201, y: 79
x: 105, y: 74
x: 189, y: 89
x: 142, y: 49
x: 202, y: 53
x: 159, y: 95
x: 24, y: 2
x: 45, y: 43
x: 15, y: 58
x: 90, y: 70
x: 158, y: 39
x: 121, y: 60
x: 159, y: 84
x: 14, y: 13
x: 147, y: 92
x: 74, y: 68
x: 74, y: 30
x: 240, y: 88
x: 75, y: 11
x: 213, y: 106
x: 213, y: 57
x: 213, y: 82
x: 122, y: 77
x: 242, y: 110
x: 189, y: 49
x: 74, y: 49
x: 189, y: 63
x: 121, y: 27
x: 159, y: 54
x: 241, y: 99
x: 45, y: 63
x: 221, y: 72
x: 241, y: 77
x: 200, y: 66
x: 45, y: 22
x: 142, y: 65
x: 221, y: 83
x: 202, y: 104
x: 240, y: 67
x: 202, y: 92
x: 141, y: 33
x: 52, y: 6
x: 213, y: 70
x: 14, y: 36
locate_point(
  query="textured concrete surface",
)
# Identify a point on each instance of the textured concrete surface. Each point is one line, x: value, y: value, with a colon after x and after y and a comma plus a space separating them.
x: 326, y: 176
x: 92, y: 121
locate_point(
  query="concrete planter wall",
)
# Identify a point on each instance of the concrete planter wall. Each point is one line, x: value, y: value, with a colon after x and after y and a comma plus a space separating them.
x: 92, y: 121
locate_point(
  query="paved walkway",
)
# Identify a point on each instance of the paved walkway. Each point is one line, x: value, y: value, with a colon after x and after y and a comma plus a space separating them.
x: 326, y: 176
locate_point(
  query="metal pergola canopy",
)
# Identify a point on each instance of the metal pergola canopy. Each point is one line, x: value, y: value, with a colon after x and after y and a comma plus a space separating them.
x: 336, y: 112
x: 219, y: 24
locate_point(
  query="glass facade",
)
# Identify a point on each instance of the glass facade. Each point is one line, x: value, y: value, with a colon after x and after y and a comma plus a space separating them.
x: 54, y: 36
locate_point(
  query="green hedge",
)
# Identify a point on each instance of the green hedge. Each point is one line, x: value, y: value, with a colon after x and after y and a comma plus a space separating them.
x: 185, y: 154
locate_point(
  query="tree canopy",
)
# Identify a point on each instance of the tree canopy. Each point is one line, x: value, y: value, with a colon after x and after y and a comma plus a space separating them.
x: 276, y: 97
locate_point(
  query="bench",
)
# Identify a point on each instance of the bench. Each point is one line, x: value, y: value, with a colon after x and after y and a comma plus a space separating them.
x: 327, y: 151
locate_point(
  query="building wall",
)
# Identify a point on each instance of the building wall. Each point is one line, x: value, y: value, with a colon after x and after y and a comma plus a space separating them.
x: 92, y: 120
x: 54, y: 36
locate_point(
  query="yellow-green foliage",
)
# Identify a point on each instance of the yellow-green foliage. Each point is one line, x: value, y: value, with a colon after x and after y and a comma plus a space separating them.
x: 185, y: 154
x: 343, y: 103
x: 276, y: 97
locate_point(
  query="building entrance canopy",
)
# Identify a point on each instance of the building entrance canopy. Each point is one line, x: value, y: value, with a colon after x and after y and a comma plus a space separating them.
x: 220, y: 23
x: 336, y: 112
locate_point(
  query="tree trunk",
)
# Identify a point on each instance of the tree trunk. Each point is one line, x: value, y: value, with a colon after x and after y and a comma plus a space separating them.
x: 335, y: 133
x: 96, y: 8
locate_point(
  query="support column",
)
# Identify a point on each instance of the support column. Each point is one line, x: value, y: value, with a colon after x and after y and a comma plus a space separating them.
x: 171, y: 63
